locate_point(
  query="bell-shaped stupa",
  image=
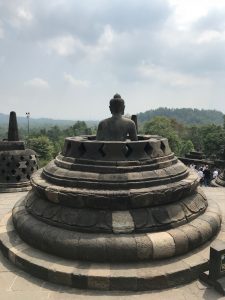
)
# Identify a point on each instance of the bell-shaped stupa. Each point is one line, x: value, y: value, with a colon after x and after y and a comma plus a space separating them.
x: 113, y: 214
x: 17, y: 164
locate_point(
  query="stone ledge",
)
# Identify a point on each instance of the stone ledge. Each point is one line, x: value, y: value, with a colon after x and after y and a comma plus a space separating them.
x: 116, y: 180
x: 219, y: 182
x: 115, y: 199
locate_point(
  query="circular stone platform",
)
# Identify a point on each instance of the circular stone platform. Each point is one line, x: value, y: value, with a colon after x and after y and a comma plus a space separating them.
x: 112, y: 215
x: 137, y: 276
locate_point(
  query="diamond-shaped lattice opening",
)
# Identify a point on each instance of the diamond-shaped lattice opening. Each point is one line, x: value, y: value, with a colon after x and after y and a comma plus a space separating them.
x: 7, y: 178
x: 23, y: 170
x: 163, y: 147
x: 27, y: 163
x: 17, y: 165
x: 81, y: 149
x: 12, y: 157
x: 8, y: 164
x: 128, y: 150
x: 13, y: 171
x: 22, y: 157
x: 18, y: 178
x: 148, y: 149
x: 28, y: 177
x: 34, y: 162
x: 101, y: 150
x: 3, y: 158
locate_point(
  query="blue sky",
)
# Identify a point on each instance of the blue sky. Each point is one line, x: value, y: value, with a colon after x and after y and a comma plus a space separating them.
x: 66, y: 58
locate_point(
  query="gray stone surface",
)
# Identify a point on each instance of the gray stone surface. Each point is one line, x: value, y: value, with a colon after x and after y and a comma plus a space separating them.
x: 120, y: 245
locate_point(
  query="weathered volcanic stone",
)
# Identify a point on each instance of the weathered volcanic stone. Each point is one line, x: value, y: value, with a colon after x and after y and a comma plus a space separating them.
x: 117, y: 211
x: 17, y: 164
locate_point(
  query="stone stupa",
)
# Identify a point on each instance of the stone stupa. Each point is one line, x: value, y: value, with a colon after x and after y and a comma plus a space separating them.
x: 219, y: 181
x: 17, y: 164
x: 121, y: 214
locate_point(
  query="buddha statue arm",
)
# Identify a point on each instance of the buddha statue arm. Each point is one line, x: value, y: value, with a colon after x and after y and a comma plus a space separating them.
x: 99, y: 135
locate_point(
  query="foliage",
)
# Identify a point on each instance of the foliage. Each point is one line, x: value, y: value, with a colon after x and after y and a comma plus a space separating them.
x: 213, y: 138
x: 49, y: 142
x: 186, y: 147
x: 42, y: 146
x: 79, y: 128
x: 165, y: 127
x: 182, y: 139
x: 184, y: 115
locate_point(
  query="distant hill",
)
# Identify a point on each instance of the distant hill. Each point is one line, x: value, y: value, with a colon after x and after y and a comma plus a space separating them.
x: 41, y: 122
x: 184, y: 115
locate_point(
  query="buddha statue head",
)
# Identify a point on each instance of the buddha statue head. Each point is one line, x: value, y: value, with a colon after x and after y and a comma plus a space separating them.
x: 117, y: 105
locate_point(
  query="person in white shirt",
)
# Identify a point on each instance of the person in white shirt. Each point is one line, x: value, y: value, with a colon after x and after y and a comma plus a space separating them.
x: 215, y: 174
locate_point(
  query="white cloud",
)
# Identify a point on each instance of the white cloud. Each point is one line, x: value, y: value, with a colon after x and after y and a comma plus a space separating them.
x: 209, y: 36
x: 68, y: 45
x: 103, y: 45
x: 107, y: 36
x: 172, y: 78
x: 18, y: 13
x: 75, y: 82
x: 24, y: 14
x: 64, y: 45
x: 188, y: 11
x: 37, y: 83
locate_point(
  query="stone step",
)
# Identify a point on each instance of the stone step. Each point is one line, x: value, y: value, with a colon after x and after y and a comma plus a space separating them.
x: 119, y: 199
x: 102, y: 276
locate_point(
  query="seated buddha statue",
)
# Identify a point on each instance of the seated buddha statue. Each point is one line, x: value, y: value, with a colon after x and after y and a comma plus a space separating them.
x: 116, y: 128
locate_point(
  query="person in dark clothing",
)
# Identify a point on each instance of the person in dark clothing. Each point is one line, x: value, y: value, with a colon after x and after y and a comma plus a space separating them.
x: 207, y: 175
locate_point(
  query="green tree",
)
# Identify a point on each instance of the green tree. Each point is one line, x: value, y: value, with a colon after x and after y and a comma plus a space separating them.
x: 43, y: 147
x: 186, y: 147
x: 213, y: 140
x: 195, y: 134
x: 165, y: 127
x: 79, y: 128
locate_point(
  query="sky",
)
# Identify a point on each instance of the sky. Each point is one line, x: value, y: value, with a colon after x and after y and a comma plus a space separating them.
x: 66, y: 59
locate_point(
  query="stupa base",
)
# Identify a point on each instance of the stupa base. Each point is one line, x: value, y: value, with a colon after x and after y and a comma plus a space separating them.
x: 218, y: 182
x: 135, y: 276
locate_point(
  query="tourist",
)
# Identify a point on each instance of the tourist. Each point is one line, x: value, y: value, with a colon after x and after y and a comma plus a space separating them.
x: 201, y: 176
x: 215, y: 174
x: 207, y: 176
